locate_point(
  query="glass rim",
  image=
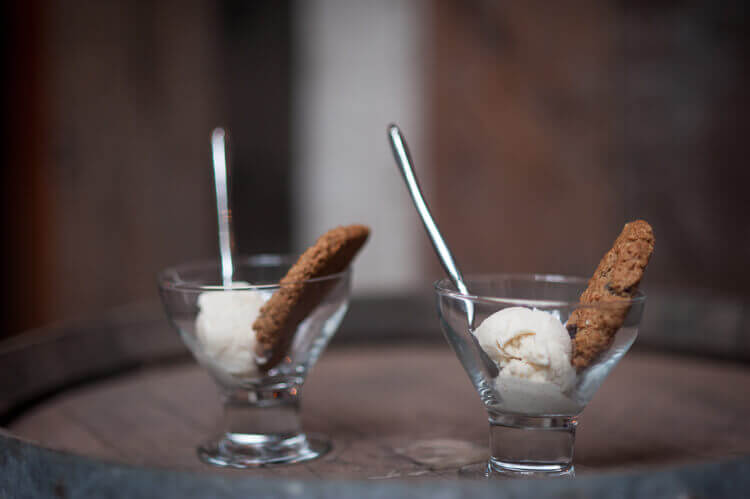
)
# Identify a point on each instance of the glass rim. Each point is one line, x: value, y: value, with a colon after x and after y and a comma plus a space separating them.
x: 442, y: 285
x: 169, y: 279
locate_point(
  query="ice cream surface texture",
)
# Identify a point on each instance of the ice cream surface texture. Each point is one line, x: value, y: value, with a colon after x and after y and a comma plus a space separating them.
x: 532, y: 350
x: 223, y: 328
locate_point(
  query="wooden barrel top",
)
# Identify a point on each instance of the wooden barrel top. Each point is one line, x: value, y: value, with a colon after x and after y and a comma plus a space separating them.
x: 389, y: 410
x: 114, y: 407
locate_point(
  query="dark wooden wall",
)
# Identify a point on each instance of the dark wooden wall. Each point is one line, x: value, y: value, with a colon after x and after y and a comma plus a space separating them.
x: 553, y: 123
x: 548, y: 126
x: 109, y: 175
x: 25, y: 213
x: 256, y: 83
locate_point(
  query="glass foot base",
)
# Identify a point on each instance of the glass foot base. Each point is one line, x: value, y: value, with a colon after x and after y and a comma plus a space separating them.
x: 495, y: 470
x: 234, y: 450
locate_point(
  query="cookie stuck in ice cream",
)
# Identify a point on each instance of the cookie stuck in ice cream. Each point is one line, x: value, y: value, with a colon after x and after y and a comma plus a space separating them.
x: 614, y: 283
x: 296, y: 297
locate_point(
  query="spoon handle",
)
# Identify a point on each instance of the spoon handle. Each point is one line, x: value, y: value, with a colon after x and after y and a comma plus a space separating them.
x: 226, y: 237
x: 403, y: 160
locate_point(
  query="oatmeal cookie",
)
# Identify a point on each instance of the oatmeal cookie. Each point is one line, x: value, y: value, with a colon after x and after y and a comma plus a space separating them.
x: 611, y: 288
x: 295, y: 299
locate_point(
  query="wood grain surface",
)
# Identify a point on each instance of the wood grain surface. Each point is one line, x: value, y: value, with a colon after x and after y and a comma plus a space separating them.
x: 392, y: 412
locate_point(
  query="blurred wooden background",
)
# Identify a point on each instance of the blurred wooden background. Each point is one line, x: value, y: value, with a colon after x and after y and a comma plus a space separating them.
x: 546, y: 127
x: 108, y: 176
x: 553, y: 124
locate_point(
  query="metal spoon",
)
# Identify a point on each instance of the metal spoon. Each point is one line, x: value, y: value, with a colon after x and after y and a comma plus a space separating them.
x: 403, y: 160
x: 226, y: 235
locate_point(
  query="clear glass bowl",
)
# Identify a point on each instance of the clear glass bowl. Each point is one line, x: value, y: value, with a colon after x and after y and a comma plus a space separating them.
x: 261, y: 424
x: 532, y: 422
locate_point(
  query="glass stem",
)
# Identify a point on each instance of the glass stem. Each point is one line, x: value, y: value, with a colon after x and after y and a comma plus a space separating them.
x: 532, y: 445
x: 261, y: 426
x: 261, y: 412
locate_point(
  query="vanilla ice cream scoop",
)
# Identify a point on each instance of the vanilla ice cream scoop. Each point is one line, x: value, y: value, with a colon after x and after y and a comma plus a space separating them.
x: 224, y: 328
x: 532, y: 350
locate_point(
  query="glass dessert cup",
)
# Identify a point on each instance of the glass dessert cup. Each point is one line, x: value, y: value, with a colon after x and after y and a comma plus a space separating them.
x: 532, y: 414
x: 261, y: 423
